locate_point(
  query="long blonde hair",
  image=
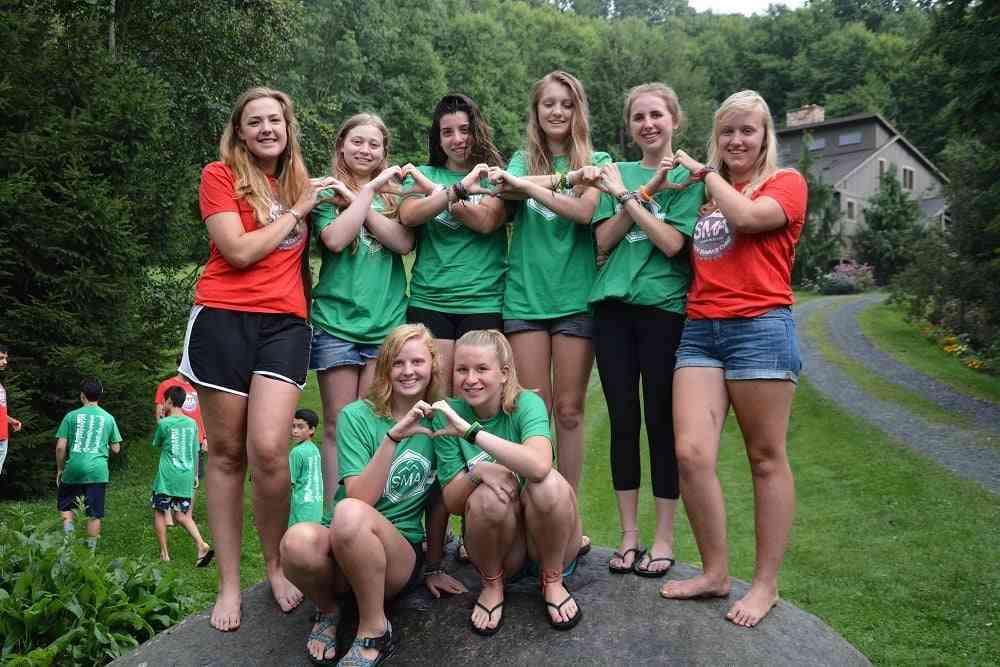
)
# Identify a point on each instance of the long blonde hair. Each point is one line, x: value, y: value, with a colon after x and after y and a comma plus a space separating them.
x: 496, y: 341
x: 251, y: 181
x: 380, y: 393
x: 539, y: 159
x: 766, y: 164
x: 340, y: 170
x: 665, y: 93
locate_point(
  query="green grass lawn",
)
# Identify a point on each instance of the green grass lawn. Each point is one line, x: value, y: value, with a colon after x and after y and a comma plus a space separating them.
x: 892, y: 552
x: 887, y: 328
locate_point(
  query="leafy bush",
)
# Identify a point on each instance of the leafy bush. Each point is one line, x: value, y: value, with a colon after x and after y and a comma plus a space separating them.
x: 847, y: 278
x: 890, y: 230
x: 61, y: 604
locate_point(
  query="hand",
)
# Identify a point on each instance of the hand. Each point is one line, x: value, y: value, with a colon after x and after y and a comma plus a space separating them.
x: 602, y: 259
x: 499, y: 480
x: 688, y: 162
x: 387, y: 174
x: 504, y: 181
x: 421, y: 183
x: 471, y: 181
x: 311, y: 193
x: 338, y: 194
x: 443, y: 582
x: 611, y: 181
x: 659, y: 180
x: 410, y: 423
x: 196, y: 483
x: 204, y: 446
x: 15, y: 424
x: 58, y: 477
x: 588, y: 176
x: 456, y: 425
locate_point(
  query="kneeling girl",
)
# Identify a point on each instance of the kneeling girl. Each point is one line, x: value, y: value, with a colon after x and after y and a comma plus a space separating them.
x: 495, y: 468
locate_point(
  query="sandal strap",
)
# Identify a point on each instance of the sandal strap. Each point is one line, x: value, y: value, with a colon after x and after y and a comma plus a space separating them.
x: 377, y: 643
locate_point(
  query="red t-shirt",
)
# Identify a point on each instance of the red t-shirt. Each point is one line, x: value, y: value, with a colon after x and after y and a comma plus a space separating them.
x: 271, y: 285
x: 191, y: 408
x: 4, y: 433
x: 746, y: 275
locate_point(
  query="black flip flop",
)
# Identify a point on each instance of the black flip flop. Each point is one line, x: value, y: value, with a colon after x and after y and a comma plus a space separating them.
x: 563, y: 625
x: 638, y: 551
x: 206, y: 559
x: 652, y: 574
x: 488, y: 631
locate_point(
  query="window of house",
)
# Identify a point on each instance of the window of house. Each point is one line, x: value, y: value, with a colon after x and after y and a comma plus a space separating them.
x: 850, y: 210
x: 817, y: 143
x: 907, y: 178
x: 849, y: 139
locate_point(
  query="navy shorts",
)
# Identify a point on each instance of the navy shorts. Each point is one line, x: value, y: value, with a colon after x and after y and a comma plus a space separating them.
x: 328, y: 352
x: 580, y: 325
x: 164, y: 503
x: 452, y: 326
x: 224, y: 349
x: 92, y: 494
x: 753, y: 348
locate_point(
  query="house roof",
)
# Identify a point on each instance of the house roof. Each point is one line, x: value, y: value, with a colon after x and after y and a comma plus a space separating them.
x: 859, y: 117
x: 833, y: 168
x: 932, y: 206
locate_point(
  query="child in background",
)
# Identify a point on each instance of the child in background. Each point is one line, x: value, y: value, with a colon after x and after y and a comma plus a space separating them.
x: 83, y: 441
x: 7, y: 423
x: 176, y: 479
x: 305, y: 467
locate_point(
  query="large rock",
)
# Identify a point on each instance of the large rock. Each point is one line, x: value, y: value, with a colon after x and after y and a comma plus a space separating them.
x: 625, y: 622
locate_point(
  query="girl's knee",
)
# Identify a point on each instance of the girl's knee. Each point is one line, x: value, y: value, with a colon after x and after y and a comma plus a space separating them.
x: 768, y: 460
x: 302, y: 542
x: 550, y: 492
x: 351, y: 517
x: 485, y: 505
x: 569, y: 413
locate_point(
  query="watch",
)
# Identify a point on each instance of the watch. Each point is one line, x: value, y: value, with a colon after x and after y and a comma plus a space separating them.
x: 469, y: 467
x: 703, y: 172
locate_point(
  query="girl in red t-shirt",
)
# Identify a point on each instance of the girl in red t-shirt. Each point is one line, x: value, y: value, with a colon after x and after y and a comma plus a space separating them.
x: 739, y: 348
x: 247, y: 341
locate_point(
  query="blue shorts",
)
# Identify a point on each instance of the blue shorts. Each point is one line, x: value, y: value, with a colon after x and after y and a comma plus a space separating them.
x: 580, y: 325
x: 164, y: 503
x: 754, y: 348
x: 92, y: 494
x: 328, y: 352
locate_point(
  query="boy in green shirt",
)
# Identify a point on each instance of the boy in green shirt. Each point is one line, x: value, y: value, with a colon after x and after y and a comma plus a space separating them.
x: 305, y: 467
x: 83, y: 441
x: 176, y: 478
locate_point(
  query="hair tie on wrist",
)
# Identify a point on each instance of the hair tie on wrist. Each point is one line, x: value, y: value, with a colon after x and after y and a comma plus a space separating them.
x: 388, y: 434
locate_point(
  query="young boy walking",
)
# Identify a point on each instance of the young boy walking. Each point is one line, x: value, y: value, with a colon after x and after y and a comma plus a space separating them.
x: 177, y: 439
x: 83, y: 441
x: 7, y: 423
x: 306, y: 470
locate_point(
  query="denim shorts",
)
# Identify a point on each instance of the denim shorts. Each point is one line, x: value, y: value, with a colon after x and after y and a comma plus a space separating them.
x: 579, y: 325
x: 328, y: 352
x: 753, y: 348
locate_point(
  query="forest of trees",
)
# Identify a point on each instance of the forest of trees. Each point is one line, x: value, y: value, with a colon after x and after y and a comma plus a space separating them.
x: 111, y: 108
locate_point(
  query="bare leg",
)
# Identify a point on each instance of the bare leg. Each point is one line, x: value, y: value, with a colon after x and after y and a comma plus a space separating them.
x: 307, y: 559
x: 376, y: 559
x: 187, y: 521
x: 663, y: 540
x: 493, y: 537
x: 628, y: 513
x: 269, y: 420
x: 572, y: 361
x: 337, y: 387
x: 160, y: 526
x: 446, y: 358
x: 225, y: 471
x: 93, y: 528
x: 552, y: 526
x: 700, y: 407
x: 67, y: 519
x: 763, y: 408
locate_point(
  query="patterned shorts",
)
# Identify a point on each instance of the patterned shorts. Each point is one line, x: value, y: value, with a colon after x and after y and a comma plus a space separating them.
x: 165, y: 503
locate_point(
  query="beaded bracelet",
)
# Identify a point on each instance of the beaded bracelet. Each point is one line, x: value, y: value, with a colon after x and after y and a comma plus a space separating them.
x: 563, y: 181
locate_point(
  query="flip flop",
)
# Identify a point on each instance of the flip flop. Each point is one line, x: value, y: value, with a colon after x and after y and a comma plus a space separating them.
x: 206, y: 559
x: 488, y: 631
x: 647, y: 572
x: 585, y: 545
x: 563, y: 625
x: 625, y: 569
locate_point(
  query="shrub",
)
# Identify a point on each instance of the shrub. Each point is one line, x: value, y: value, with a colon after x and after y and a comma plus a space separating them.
x: 847, y: 278
x: 61, y: 604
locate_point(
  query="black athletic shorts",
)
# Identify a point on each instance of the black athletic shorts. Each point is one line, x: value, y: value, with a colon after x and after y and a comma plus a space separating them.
x: 92, y: 494
x: 224, y: 349
x: 451, y: 326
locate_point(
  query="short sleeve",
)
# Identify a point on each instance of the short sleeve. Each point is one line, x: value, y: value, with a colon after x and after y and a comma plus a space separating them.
x: 116, y: 436
x: 790, y: 190
x: 295, y: 465
x: 450, y: 461
x: 354, y: 441
x: 682, y: 206
x: 322, y: 215
x: 217, y: 193
x: 63, y: 431
x: 605, y: 204
x: 158, y: 436
x: 518, y: 166
x: 530, y: 416
x: 600, y: 158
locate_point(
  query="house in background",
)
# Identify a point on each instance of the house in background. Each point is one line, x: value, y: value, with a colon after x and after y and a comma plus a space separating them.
x: 852, y: 153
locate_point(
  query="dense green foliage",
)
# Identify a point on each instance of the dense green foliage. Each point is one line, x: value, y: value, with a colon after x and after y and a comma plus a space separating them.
x: 62, y: 605
x: 820, y: 242
x: 890, y: 231
x: 111, y: 108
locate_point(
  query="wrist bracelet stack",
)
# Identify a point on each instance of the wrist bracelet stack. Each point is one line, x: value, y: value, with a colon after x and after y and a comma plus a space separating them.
x: 563, y: 183
x: 298, y: 218
x: 644, y: 195
x: 625, y: 196
x: 471, y: 432
x: 460, y: 192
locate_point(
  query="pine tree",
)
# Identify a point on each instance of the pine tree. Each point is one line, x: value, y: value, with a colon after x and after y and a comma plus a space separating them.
x: 890, y: 230
x: 820, y: 243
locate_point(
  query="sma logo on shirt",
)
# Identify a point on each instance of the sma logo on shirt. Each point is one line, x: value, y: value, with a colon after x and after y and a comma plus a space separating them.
x: 409, y: 474
x: 712, y: 237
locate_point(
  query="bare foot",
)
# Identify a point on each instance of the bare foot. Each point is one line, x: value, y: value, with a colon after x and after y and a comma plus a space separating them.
x: 556, y: 594
x: 488, y: 612
x: 285, y: 593
x: 752, y: 607
x: 322, y: 644
x: 701, y: 586
x: 226, y: 613
x: 164, y: 556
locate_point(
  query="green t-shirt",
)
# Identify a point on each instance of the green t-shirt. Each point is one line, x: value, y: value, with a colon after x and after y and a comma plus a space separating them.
x: 361, y: 293
x: 529, y: 418
x: 305, y: 467
x: 88, y: 432
x: 638, y: 272
x: 457, y: 270
x: 359, y: 433
x: 177, y: 440
x: 552, y: 260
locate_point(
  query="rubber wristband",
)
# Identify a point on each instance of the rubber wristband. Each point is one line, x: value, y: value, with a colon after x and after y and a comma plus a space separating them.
x: 644, y: 194
x: 388, y: 434
x: 471, y: 433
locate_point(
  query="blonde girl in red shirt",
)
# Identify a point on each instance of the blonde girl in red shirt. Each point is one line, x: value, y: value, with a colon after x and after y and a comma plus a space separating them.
x: 739, y: 348
x: 247, y: 341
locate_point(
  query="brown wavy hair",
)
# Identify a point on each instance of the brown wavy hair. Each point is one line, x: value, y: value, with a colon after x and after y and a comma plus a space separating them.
x: 482, y: 151
x: 380, y: 393
x: 251, y: 181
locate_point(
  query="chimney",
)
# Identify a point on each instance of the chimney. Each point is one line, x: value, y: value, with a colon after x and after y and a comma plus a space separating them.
x: 810, y: 113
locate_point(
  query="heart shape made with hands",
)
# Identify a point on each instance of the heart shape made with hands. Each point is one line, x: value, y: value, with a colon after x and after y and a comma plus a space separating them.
x: 473, y: 181
x: 410, y: 423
